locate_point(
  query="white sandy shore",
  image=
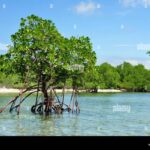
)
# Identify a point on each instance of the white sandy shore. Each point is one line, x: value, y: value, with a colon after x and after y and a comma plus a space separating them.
x: 109, y: 91
x: 10, y: 90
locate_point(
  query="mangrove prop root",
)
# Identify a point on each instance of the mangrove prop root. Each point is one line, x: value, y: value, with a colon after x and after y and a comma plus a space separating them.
x: 15, y: 107
x: 11, y: 101
x: 47, y: 105
x: 15, y: 98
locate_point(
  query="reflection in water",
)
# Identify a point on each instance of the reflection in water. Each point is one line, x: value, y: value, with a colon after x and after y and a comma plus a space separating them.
x: 96, y: 118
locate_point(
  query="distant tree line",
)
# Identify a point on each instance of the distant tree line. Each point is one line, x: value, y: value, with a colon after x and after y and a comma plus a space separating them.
x: 125, y: 76
x: 105, y: 76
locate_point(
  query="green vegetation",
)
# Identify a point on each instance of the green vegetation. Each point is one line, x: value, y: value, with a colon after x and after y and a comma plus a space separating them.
x: 104, y: 76
x: 134, y: 78
x: 41, y: 54
x: 40, y: 59
x: 124, y: 76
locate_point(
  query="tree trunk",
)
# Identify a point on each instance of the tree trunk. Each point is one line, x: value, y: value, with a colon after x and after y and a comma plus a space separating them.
x: 63, y: 93
x: 45, y: 93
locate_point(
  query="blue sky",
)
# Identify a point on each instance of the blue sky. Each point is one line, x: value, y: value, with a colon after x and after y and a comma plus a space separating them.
x: 118, y: 29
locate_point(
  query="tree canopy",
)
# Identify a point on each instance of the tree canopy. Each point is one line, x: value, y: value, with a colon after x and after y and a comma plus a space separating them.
x: 39, y: 50
x: 41, y: 55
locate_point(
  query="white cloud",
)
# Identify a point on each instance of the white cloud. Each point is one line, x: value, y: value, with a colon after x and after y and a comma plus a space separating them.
x: 134, y: 3
x: 87, y: 7
x: 4, y: 6
x: 118, y: 61
x: 134, y: 62
x: 3, y: 47
x: 146, y: 64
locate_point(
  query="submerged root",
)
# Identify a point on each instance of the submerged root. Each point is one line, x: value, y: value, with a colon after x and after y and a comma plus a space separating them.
x: 49, y: 106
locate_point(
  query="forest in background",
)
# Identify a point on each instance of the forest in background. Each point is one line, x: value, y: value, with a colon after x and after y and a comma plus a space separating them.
x: 104, y: 76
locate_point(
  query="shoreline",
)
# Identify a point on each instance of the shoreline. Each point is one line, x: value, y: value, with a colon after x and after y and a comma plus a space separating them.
x: 4, y: 90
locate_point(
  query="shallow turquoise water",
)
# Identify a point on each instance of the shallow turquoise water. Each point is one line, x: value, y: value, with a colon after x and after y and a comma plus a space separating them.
x: 97, y: 117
